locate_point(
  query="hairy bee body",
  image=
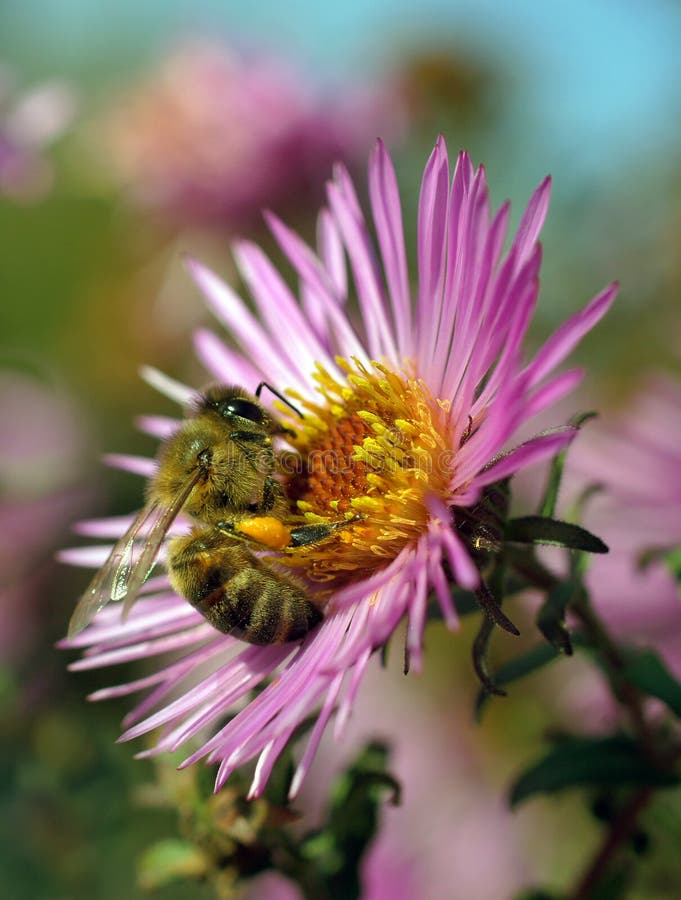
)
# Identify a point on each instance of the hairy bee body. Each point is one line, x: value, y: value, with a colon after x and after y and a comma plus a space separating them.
x: 219, y: 469
x: 238, y: 593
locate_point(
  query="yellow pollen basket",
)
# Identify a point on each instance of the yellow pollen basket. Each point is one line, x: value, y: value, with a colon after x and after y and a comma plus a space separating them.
x: 374, y: 446
x: 266, y: 530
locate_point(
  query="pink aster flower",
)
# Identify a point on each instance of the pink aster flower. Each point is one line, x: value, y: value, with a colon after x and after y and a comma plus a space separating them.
x: 415, y: 406
x: 636, y: 458
x: 211, y: 135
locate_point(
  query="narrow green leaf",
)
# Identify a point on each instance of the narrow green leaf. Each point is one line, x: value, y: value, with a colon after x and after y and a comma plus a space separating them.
x: 542, y: 530
x: 551, y: 616
x: 519, y: 667
x: 580, y: 762
x: 170, y: 860
x: 649, y: 674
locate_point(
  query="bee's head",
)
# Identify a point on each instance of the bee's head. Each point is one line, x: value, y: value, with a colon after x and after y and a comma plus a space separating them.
x: 235, y: 405
x: 232, y: 404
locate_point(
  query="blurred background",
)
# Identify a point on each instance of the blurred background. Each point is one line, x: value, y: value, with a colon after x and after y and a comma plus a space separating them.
x: 132, y: 133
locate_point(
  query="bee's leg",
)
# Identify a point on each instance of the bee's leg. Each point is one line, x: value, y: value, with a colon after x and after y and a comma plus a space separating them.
x: 273, y: 498
x: 318, y: 531
x: 238, y: 593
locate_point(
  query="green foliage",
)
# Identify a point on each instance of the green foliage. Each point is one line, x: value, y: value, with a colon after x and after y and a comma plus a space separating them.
x: 337, y: 849
x: 535, y: 658
x: 673, y: 562
x: 573, y: 762
x: 551, y: 616
x: 170, y: 860
x: 614, y: 885
x: 646, y: 671
x: 227, y: 839
x: 552, y: 532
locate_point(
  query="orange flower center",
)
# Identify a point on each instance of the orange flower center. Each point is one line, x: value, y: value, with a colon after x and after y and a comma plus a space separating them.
x: 370, y: 451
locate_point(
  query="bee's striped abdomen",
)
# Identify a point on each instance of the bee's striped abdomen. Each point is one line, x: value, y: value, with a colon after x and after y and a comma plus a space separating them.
x: 238, y: 593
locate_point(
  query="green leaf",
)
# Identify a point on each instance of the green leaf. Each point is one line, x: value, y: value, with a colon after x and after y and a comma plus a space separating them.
x: 649, y: 674
x: 336, y: 850
x: 615, y: 885
x: 551, y: 616
x: 170, y: 860
x: 579, y: 762
x: 515, y: 669
x: 673, y: 562
x: 519, y: 667
x: 543, y: 530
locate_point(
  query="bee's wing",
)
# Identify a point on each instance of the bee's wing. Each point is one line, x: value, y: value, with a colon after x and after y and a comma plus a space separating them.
x: 127, y: 566
x: 137, y: 571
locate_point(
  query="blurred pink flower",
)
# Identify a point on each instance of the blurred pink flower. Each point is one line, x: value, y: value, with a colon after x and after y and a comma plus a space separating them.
x: 420, y: 434
x: 212, y: 136
x: 41, y: 445
x: 29, y: 123
x: 453, y: 836
x: 636, y: 458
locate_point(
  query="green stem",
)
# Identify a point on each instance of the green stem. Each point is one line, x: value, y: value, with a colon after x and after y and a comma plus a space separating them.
x: 598, y: 637
x: 620, y: 831
x: 648, y: 737
x: 288, y: 860
x: 490, y: 599
x: 480, y: 645
x: 613, y: 662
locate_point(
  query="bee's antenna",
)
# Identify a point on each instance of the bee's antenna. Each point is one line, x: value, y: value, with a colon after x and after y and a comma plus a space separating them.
x: 264, y: 384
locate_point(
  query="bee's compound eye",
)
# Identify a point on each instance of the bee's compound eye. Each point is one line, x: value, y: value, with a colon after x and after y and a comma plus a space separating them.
x: 237, y: 407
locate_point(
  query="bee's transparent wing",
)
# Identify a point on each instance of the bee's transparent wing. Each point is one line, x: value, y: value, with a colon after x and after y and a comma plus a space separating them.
x: 128, y: 565
x: 139, y: 569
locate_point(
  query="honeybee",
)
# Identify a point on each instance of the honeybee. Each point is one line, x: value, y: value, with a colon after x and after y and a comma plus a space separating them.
x: 219, y: 469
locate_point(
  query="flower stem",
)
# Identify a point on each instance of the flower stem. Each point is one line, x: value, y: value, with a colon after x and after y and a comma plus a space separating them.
x: 614, y: 665
x: 620, y: 831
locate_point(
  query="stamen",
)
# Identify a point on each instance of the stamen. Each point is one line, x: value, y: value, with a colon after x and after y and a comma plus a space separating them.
x: 374, y: 447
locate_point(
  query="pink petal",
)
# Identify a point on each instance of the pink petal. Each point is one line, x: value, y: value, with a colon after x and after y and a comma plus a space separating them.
x: 259, y: 348
x: 87, y: 557
x: 343, y: 203
x: 316, y: 736
x: 158, y: 426
x: 225, y: 365
x: 313, y: 274
x: 138, y: 465
x: 332, y: 254
x: 570, y: 333
x: 527, y: 454
x: 385, y: 205
x: 280, y: 311
x: 431, y: 248
x: 552, y: 392
x: 532, y: 221
x: 172, y: 389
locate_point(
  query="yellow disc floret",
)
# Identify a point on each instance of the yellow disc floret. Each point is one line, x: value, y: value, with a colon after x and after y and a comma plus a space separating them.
x: 373, y: 447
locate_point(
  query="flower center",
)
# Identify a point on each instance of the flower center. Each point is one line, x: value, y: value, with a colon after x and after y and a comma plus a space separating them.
x: 371, y: 449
